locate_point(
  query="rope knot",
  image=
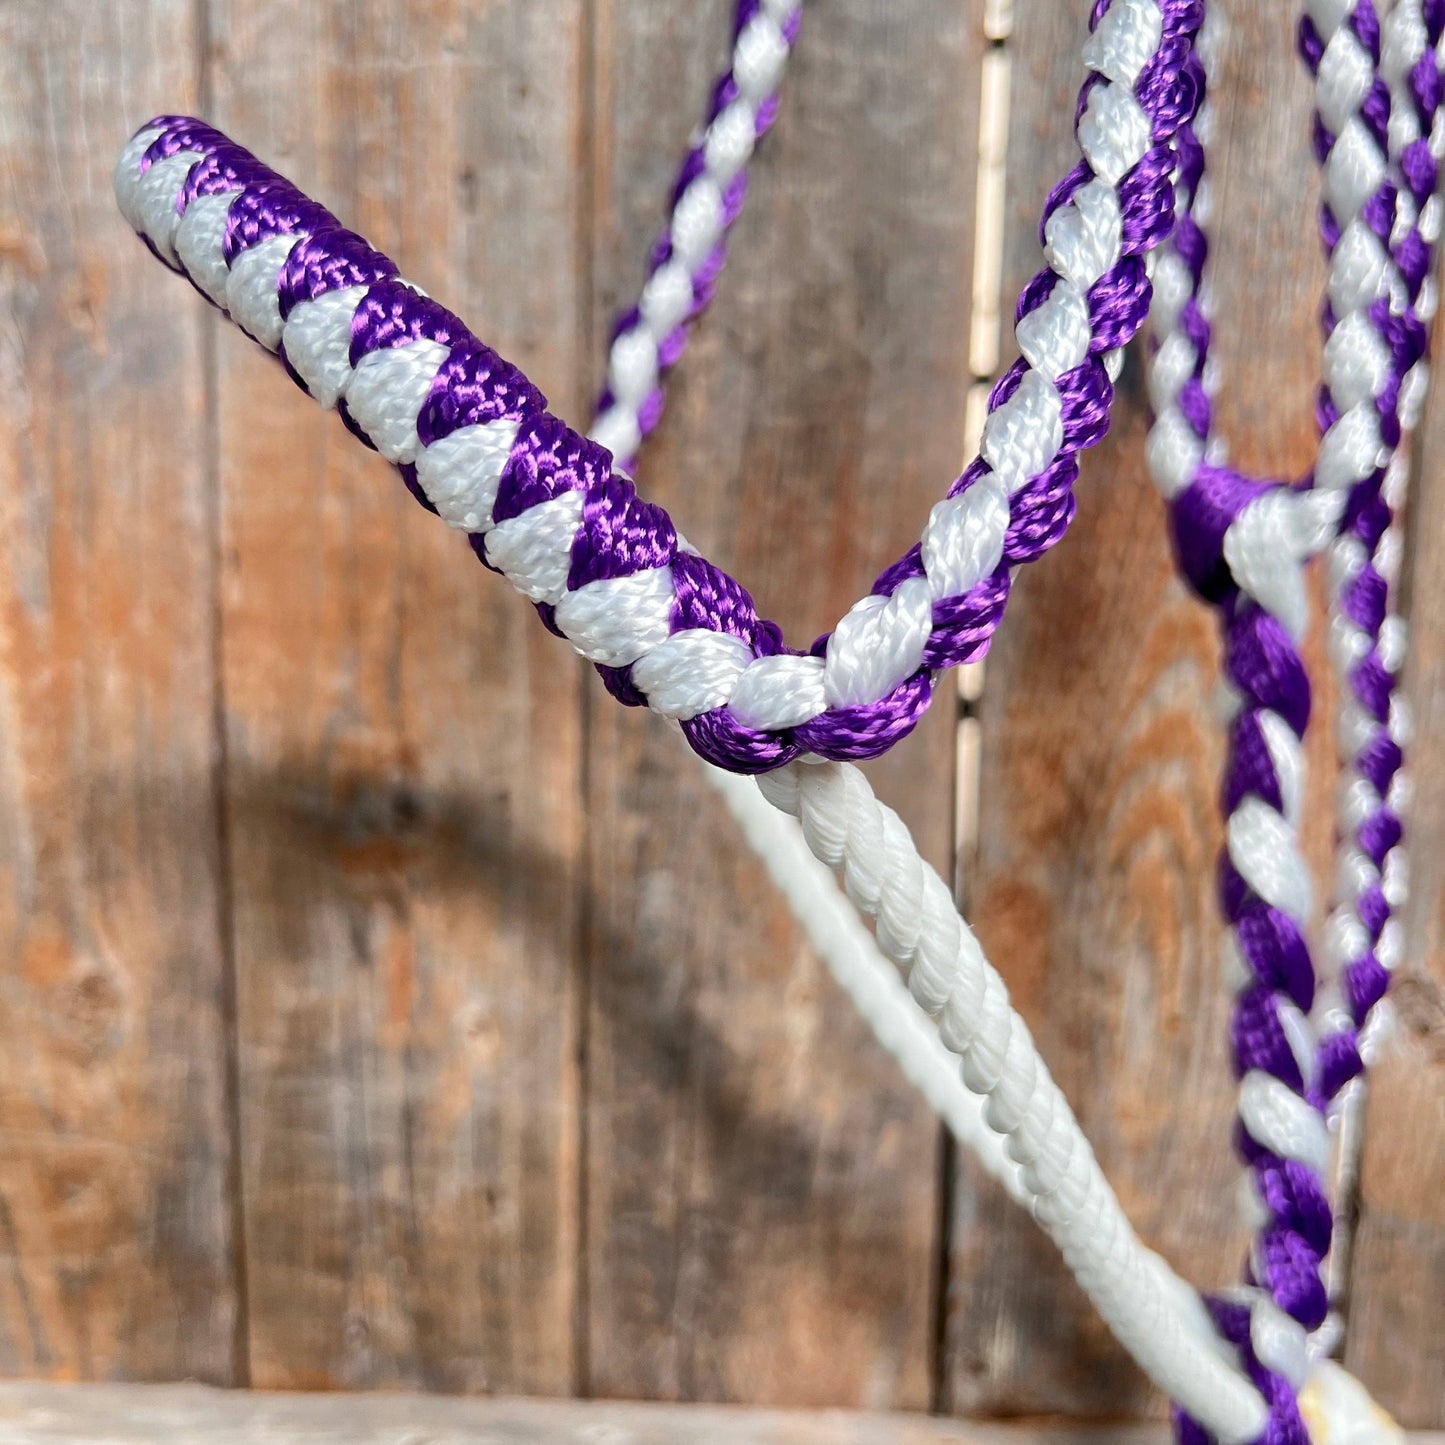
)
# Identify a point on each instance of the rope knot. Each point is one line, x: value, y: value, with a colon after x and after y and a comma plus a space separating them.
x: 1201, y: 516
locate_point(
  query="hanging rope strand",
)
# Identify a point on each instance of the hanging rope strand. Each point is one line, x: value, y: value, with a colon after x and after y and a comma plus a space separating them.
x: 1153, y: 1314
x: 1367, y: 641
x: 688, y: 257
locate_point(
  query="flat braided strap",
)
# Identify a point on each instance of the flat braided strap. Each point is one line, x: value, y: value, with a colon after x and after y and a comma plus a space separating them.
x: 608, y: 571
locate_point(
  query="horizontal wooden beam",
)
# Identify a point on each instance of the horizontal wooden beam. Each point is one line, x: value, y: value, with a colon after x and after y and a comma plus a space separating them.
x: 44, y: 1414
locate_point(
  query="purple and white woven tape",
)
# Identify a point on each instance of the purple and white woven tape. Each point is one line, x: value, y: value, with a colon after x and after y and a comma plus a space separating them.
x: 545, y: 507
x: 1242, y: 543
x: 688, y: 257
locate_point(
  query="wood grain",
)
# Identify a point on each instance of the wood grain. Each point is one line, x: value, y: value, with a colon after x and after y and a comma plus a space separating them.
x: 160, y: 1415
x: 761, y: 1190
x: 1397, y: 1309
x: 115, y: 1217
x: 402, y: 753
x: 1102, y: 747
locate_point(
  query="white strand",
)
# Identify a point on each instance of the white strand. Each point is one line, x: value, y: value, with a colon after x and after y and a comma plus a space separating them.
x: 1157, y: 1317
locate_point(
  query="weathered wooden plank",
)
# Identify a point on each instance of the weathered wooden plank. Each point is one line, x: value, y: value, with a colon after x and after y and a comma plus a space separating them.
x: 32, y: 1414
x: 1093, y: 889
x: 115, y: 1220
x: 761, y: 1183
x: 1397, y: 1310
x: 151, y: 1415
x: 402, y: 740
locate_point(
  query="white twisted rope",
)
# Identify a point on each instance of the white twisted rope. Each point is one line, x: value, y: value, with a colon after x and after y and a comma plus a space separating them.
x: 871, y: 981
x: 1153, y: 1314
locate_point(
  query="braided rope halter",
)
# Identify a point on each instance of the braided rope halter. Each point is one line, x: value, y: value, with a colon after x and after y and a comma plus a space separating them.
x: 554, y: 513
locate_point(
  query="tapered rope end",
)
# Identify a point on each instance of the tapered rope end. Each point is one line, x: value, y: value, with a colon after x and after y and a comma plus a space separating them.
x: 1338, y: 1410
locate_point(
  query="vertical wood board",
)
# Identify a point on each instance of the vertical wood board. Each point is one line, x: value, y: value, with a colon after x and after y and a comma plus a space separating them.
x: 116, y: 1256
x: 762, y: 1209
x: 402, y: 740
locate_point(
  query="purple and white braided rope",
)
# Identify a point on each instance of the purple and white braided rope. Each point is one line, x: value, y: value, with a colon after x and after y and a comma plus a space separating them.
x: 1154, y: 1313
x: 688, y: 257
x: 545, y: 507
x: 1243, y: 544
x: 1367, y: 642
x: 1157, y: 1316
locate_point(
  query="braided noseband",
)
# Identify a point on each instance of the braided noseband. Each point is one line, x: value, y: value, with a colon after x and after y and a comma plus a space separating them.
x: 608, y: 571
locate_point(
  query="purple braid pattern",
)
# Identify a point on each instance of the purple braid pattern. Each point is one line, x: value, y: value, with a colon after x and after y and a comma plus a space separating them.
x: 1262, y: 661
x: 687, y: 259
x: 1286, y: 1426
x: 620, y: 538
x: 1364, y: 597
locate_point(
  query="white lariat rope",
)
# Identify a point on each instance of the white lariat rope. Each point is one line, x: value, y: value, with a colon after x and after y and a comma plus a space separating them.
x: 871, y: 981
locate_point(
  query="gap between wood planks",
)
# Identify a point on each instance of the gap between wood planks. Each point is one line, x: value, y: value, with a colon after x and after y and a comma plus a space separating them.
x: 984, y: 348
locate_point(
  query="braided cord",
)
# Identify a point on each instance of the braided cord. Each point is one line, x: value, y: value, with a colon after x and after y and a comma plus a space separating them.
x: 1242, y: 542
x: 688, y: 257
x: 545, y: 507
x: 1367, y: 642
x: 1153, y: 1311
